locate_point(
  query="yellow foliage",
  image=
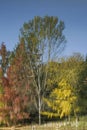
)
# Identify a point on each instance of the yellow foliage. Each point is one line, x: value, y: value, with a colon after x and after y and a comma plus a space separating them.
x: 65, y: 107
x: 62, y: 99
x: 49, y: 114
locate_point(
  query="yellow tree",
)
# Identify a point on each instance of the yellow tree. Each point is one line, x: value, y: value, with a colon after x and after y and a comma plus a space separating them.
x: 61, y: 100
x: 64, y: 97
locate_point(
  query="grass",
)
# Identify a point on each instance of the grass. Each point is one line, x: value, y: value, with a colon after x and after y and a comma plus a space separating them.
x: 63, y: 125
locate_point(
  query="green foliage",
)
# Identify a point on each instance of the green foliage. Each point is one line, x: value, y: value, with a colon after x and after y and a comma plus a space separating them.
x: 65, y: 97
x: 43, y: 37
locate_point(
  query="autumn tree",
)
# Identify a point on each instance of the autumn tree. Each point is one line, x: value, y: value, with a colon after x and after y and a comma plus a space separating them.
x: 14, y: 85
x: 19, y: 81
x: 5, y: 89
x: 43, y: 38
x: 64, y: 99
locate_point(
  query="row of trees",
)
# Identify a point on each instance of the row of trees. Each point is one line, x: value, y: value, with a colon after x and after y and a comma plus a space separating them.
x: 33, y: 82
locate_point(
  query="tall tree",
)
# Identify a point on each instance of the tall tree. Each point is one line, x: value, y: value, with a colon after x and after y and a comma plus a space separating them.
x: 4, y: 62
x: 18, y: 78
x: 14, y: 85
x: 43, y: 38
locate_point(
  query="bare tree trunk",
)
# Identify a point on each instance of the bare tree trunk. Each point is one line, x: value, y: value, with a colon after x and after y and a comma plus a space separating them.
x: 39, y: 109
x: 39, y: 97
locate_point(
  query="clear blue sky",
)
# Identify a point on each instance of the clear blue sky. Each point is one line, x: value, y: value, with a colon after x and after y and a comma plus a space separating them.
x: 13, y: 13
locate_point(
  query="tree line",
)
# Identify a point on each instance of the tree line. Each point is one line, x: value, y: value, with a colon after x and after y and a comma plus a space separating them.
x: 33, y: 82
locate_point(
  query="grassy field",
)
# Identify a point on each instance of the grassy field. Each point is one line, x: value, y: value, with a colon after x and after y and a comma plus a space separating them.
x: 63, y: 125
x: 81, y: 125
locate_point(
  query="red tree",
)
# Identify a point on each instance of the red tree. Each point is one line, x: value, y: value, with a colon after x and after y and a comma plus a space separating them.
x: 15, y: 86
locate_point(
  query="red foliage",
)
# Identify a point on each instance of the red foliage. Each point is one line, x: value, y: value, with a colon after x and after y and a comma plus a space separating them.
x: 15, y: 87
x: 5, y: 82
x: 15, y: 104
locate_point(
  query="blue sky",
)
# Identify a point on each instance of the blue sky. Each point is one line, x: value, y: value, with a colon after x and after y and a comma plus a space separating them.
x: 13, y: 13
